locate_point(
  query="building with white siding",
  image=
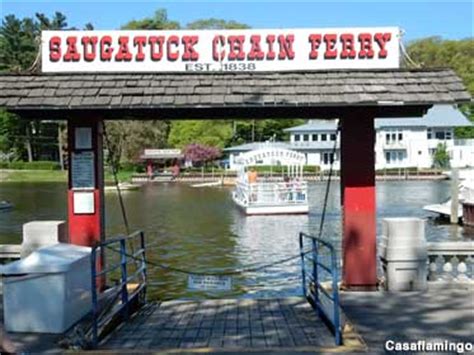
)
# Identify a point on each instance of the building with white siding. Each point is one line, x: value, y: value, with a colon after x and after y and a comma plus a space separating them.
x: 400, y: 142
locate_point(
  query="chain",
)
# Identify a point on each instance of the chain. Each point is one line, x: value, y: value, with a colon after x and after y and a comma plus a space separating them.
x: 328, y: 185
x: 239, y: 271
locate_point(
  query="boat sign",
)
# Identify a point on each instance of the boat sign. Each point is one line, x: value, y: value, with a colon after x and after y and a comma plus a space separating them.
x: 209, y: 283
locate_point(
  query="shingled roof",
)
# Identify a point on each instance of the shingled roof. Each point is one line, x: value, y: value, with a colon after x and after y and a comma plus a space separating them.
x: 216, y: 90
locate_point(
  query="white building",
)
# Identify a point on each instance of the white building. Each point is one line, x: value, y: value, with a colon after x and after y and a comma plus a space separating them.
x: 400, y: 142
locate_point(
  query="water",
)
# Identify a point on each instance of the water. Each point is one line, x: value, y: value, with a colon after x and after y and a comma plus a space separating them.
x: 201, y: 230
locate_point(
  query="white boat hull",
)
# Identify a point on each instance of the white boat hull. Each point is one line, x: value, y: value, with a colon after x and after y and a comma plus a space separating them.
x: 255, y: 210
x: 444, y: 209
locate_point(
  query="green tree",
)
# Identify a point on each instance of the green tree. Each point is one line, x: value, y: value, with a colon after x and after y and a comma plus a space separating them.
x: 216, y: 133
x: 127, y: 139
x: 159, y: 21
x: 457, y: 55
x: 215, y: 24
x: 19, y: 52
x: 18, y: 45
x: 441, y: 157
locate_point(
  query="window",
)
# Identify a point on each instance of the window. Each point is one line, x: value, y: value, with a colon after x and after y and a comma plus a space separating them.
x: 429, y: 133
x: 393, y: 136
x: 324, y: 137
x: 448, y: 135
x: 327, y: 158
x: 306, y: 137
x: 297, y: 137
x: 315, y: 137
x: 333, y: 137
x: 395, y: 156
x: 440, y: 135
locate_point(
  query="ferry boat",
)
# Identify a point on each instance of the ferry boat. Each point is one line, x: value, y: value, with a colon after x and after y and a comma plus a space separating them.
x: 266, y: 195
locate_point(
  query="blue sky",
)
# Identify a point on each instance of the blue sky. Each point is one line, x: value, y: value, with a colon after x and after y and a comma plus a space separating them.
x: 448, y: 19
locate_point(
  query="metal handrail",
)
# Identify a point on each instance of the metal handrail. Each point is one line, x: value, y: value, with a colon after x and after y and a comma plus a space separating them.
x: 127, y: 296
x: 313, y: 289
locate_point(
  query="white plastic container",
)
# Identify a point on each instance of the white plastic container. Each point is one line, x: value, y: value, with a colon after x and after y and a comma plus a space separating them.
x: 403, y: 253
x: 48, y: 291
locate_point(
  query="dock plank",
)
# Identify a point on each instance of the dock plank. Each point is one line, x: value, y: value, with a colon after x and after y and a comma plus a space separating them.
x: 224, y: 324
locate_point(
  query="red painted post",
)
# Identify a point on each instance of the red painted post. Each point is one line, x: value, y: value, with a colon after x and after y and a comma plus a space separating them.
x: 358, y: 202
x: 86, y: 182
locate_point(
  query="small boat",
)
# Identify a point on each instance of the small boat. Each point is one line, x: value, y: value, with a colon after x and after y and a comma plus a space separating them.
x: 124, y: 186
x: 208, y: 184
x: 5, y: 205
x: 466, y: 193
x: 268, y: 197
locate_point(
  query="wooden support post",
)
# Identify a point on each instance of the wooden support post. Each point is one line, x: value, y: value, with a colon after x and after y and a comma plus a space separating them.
x: 358, y: 202
x: 454, y: 196
x: 86, y: 182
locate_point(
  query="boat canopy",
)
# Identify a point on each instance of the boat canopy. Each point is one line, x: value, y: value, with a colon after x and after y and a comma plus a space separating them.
x: 270, y: 156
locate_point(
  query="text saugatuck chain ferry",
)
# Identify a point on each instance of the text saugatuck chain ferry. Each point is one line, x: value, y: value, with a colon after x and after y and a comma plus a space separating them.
x: 235, y: 50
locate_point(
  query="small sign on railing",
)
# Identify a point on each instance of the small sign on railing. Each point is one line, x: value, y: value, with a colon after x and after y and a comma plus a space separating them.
x: 209, y: 283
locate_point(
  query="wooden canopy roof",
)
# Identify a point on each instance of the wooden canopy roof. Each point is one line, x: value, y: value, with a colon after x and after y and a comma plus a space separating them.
x: 230, y: 95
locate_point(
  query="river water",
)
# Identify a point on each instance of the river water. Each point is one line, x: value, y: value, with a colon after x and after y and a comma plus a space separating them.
x: 200, y: 229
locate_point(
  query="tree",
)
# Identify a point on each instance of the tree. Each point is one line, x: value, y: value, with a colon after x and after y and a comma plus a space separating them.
x: 441, y: 157
x: 127, y: 139
x: 18, y: 45
x: 159, y: 21
x: 458, y: 55
x: 215, y: 24
x: 19, y: 52
x: 201, y: 153
x: 217, y: 133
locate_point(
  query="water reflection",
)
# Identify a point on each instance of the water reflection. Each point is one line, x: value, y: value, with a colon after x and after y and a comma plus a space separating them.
x: 201, y: 229
x: 268, y: 239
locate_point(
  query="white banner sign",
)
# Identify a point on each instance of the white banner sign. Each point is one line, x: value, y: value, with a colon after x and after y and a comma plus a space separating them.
x: 220, y: 50
x: 264, y: 155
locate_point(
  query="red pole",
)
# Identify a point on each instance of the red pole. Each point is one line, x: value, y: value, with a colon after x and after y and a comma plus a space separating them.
x: 86, y: 182
x: 358, y: 202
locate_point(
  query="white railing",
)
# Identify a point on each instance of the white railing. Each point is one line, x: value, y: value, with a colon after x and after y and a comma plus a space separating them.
x: 463, y: 142
x: 451, y: 262
x: 272, y: 193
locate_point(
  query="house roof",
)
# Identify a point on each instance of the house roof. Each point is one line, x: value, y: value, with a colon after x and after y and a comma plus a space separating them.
x: 395, y: 89
x: 257, y: 145
x: 300, y: 146
x: 437, y: 116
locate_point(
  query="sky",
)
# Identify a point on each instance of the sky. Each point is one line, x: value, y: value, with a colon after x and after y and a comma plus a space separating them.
x: 418, y: 19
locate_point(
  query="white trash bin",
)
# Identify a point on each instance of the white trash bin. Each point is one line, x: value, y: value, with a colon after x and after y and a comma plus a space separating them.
x: 48, y: 291
x: 403, y: 253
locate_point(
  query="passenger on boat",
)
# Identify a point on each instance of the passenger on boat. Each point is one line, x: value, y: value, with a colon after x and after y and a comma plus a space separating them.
x: 298, y: 189
x: 175, y: 170
x: 285, y: 194
x: 252, y: 177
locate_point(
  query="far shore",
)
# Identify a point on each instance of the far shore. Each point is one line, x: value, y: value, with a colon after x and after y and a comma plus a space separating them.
x: 126, y: 176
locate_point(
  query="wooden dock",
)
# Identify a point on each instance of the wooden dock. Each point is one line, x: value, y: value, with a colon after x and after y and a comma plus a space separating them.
x: 289, y: 324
